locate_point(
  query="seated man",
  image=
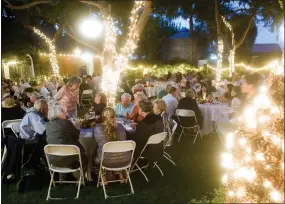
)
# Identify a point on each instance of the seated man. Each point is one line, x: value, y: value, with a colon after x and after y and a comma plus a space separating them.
x: 32, y: 126
x: 124, y: 108
x: 151, y: 124
x: 171, y: 101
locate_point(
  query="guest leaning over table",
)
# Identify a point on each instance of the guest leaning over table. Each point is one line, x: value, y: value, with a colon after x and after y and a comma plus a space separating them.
x: 124, y: 108
x: 68, y: 96
x: 134, y: 115
x: 164, y: 92
x: 150, y: 125
x: 59, y: 130
x: 108, y: 131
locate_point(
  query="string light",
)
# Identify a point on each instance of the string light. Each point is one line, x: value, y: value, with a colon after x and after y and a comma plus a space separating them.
x: 219, y: 61
x: 257, y: 162
x: 6, y: 67
x: 232, y: 51
x: 114, y: 63
x: 52, y: 54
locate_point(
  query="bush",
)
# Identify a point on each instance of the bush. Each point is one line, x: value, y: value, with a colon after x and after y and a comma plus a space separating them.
x: 218, y: 196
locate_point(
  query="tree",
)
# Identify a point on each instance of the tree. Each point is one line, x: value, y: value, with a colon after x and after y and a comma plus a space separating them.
x: 254, y: 160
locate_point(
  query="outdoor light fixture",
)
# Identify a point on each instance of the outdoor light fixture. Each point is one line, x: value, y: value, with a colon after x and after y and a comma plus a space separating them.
x: 86, y: 56
x: 91, y: 28
x: 77, y: 51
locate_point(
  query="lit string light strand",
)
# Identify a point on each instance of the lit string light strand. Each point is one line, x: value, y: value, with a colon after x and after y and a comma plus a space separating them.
x: 52, y: 54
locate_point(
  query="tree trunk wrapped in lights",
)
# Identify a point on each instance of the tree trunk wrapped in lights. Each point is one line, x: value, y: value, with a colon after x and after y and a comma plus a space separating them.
x: 254, y: 160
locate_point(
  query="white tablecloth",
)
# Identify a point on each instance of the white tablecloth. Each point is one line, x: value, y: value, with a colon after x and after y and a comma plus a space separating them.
x: 150, y: 91
x: 210, y: 113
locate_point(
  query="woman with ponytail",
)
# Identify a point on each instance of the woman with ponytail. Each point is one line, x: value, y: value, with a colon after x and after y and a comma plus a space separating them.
x: 108, y: 131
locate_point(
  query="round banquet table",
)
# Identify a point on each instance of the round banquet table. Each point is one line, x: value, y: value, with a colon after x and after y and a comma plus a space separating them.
x: 150, y: 91
x: 210, y: 112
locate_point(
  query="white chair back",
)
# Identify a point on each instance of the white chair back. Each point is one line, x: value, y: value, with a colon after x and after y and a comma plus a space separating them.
x: 157, y: 138
x: 120, y: 154
x: 10, y: 124
x: 119, y: 146
x: 87, y: 92
x: 61, y: 150
x: 16, y: 129
x: 185, y: 113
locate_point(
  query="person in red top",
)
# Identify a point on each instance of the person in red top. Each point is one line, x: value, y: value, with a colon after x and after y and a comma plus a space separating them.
x: 68, y: 96
x: 134, y: 115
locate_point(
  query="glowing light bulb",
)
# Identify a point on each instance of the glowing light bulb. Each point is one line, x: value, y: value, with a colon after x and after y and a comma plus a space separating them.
x: 275, y: 196
x: 225, y: 178
x: 243, y: 141
x: 267, y: 184
x: 260, y: 156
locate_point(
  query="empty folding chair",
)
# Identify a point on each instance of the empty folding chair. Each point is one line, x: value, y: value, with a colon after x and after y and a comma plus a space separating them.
x: 116, y: 156
x: 86, y: 95
x: 8, y: 124
x: 188, y: 114
x: 156, y: 139
x: 63, y: 151
x: 223, y: 125
x: 169, y: 143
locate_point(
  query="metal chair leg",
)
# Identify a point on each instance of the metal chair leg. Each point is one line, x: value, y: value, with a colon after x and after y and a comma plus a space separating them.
x: 129, y: 178
x: 49, y: 188
x: 169, y: 160
x: 142, y: 172
x: 181, y: 134
x: 155, y: 164
x: 79, y: 184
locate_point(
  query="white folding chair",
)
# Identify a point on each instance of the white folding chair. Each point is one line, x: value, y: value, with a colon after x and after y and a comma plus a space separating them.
x: 86, y: 95
x: 169, y: 143
x: 224, y: 113
x: 9, y: 124
x: 154, y: 139
x: 63, y: 151
x: 188, y: 114
x: 116, y: 156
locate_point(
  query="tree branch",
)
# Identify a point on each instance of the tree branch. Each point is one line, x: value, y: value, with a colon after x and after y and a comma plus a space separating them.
x: 58, y: 32
x: 100, y: 5
x: 144, y: 17
x: 25, y: 6
x: 235, y: 12
x: 238, y: 43
x: 84, y: 43
x: 218, y: 19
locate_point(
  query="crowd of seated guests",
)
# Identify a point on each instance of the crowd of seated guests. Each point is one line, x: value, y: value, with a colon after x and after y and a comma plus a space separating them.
x: 50, y: 124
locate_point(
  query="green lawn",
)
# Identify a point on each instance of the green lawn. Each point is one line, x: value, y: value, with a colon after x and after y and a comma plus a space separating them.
x: 197, y: 173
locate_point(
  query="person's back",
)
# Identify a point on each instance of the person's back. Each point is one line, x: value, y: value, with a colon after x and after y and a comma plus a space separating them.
x: 61, y: 132
x: 152, y: 124
x: 189, y: 103
x: 101, y: 138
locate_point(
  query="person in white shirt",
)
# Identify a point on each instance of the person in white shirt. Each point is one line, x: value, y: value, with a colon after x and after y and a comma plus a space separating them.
x: 44, y: 91
x: 33, y: 124
x: 171, y: 101
x: 236, y: 94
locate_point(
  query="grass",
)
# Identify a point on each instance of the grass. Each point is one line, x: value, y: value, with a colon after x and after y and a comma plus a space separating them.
x: 197, y: 173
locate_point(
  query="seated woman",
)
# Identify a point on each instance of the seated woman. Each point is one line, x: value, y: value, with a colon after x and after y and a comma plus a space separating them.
x: 203, y: 93
x: 227, y: 97
x: 236, y: 94
x: 108, y: 131
x: 159, y: 108
x: 100, y: 102
x: 135, y: 111
x: 124, y: 108
x: 59, y: 130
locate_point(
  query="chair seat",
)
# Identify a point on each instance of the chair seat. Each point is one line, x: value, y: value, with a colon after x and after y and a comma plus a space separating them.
x: 63, y: 169
x: 189, y: 127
